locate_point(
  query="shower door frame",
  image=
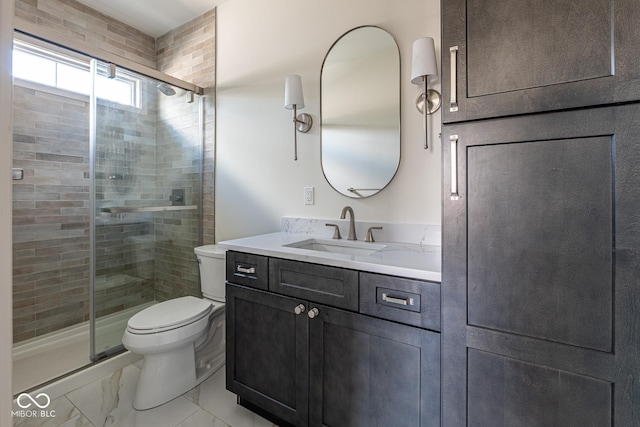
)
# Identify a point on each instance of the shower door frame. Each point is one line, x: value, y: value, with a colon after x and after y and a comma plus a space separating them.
x: 23, y: 26
x: 6, y: 298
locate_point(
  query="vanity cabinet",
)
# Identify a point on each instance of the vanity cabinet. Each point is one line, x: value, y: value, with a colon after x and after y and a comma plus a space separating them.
x: 370, y: 372
x: 304, y: 351
x: 267, y: 352
x: 541, y: 240
x: 506, y: 57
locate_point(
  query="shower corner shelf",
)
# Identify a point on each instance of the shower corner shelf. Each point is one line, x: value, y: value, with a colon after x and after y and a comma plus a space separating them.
x: 131, y: 209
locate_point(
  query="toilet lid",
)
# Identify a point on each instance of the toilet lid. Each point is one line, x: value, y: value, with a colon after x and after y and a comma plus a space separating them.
x: 170, y: 314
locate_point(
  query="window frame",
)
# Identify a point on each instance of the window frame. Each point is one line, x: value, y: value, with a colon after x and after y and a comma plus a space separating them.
x: 55, y: 54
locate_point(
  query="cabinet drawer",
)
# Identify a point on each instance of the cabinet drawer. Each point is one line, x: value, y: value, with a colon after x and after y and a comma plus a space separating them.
x: 333, y: 286
x: 248, y: 269
x: 413, y: 302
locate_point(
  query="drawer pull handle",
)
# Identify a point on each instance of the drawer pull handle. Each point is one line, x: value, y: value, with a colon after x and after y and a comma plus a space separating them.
x: 299, y: 309
x: 399, y: 301
x: 246, y: 270
x: 313, y: 313
x: 453, y: 107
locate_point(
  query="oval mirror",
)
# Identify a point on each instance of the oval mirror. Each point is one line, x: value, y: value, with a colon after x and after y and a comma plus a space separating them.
x: 360, y: 112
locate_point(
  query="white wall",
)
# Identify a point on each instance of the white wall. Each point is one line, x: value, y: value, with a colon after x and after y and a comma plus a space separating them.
x: 6, y: 338
x: 257, y: 180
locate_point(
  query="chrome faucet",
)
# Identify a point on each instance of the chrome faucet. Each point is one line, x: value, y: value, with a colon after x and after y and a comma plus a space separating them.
x: 352, y: 222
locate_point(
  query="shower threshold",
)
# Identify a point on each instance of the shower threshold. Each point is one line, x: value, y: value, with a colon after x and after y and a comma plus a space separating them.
x: 50, y: 356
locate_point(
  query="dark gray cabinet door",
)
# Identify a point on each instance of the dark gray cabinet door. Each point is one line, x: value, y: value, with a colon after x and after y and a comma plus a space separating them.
x: 267, y: 352
x: 541, y: 270
x: 371, y: 372
x: 506, y: 57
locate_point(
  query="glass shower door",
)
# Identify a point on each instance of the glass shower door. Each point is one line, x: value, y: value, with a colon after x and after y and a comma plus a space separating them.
x: 107, y: 214
x: 51, y: 249
x: 147, y: 155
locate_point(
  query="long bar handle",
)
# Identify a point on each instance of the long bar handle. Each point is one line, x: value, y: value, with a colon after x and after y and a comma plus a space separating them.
x: 453, y: 139
x: 399, y: 301
x: 454, y: 78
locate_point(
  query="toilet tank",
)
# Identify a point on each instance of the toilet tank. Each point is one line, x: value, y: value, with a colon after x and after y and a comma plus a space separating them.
x: 212, y: 271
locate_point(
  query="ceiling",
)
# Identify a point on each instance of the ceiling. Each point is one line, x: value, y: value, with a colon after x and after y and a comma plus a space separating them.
x: 153, y: 17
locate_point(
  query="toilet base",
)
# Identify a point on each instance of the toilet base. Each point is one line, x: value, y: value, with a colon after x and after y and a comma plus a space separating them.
x: 154, y: 389
x: 164, y: 377
x: 167, y: 375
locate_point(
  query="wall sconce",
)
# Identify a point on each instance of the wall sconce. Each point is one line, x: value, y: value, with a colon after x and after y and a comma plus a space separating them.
x: 423, y: 66
x: 294, y: 100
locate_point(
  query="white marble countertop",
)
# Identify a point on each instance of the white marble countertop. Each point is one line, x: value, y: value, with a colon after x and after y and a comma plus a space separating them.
x: 418, y: 261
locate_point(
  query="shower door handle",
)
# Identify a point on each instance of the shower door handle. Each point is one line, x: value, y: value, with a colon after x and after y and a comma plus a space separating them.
x: 17, y: 174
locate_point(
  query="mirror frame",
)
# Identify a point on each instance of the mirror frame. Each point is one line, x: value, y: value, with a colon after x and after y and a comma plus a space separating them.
x: 399, y: 112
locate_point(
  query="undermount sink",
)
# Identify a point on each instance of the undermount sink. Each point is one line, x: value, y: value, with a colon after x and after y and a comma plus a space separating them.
x: 349, y: 247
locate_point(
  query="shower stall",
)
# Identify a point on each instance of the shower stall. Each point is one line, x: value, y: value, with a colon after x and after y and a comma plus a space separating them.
x: 107, y: 203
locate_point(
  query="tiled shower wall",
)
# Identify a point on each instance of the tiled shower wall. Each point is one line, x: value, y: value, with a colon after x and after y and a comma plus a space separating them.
x: 51, y: 221
x: 51, y: 210
x: 178, y: 160
x: 125, y: 169
x: 187, y: 52
x: 51, y: 213
x: 73, y: 19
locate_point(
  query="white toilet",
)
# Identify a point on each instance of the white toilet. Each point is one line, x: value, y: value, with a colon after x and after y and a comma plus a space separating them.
x: 183, y: 339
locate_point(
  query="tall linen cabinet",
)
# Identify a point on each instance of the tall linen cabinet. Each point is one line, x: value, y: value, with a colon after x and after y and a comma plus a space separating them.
x: 541, y: 213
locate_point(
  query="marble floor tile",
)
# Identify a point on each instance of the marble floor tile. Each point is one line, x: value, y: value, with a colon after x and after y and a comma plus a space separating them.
x: 109, y: 402
x: 213, y: 397
x: 60, y: 413
x: 203, y: 419
x: 170, y: 414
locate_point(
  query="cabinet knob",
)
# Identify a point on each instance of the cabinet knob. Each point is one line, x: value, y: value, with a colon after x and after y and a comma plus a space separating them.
x: 299, y: 309
x: 313, y: 313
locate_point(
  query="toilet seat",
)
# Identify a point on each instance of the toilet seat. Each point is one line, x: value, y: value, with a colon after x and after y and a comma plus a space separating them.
x: 168, y: 315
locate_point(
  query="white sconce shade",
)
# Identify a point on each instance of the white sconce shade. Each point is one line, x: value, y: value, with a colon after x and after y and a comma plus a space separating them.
x: 423, y: 63
x: 294, y: 100
x: 293, y: 92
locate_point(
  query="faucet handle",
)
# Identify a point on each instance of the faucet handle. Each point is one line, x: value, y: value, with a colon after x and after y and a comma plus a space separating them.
x: 370, y: 234
x: 336, y: 232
